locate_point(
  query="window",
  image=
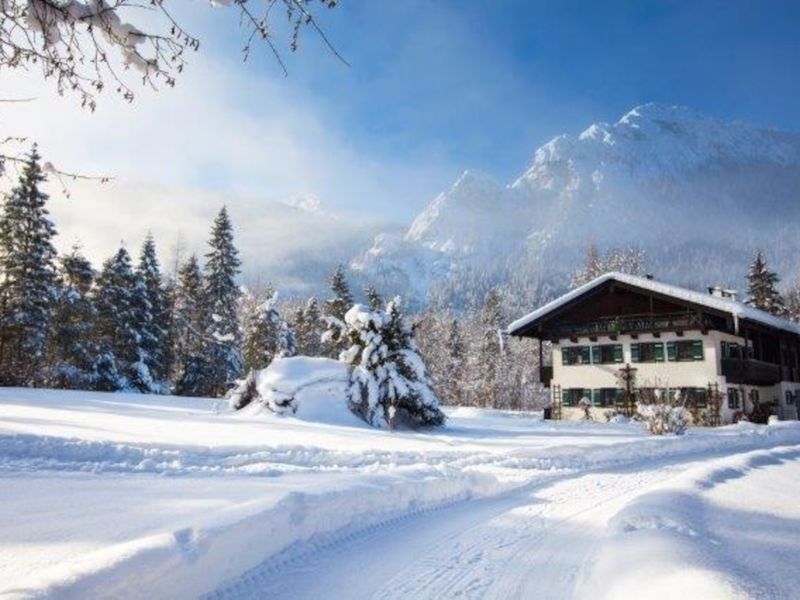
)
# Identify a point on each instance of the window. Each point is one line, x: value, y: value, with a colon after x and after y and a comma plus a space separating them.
x: 789, y: 398
x: 606, y: 396
x: 697, y: 397
x: 734, y: 401
x: 605, y: 354
x: 572, y: 396
x: 685, y: 350
x: 575, y: 355
x: 754, y: 397
x: 647, y: 352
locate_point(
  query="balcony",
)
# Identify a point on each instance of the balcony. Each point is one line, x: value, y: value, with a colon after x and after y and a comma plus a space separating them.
x: 546, y: 375
x: 643, y: 323
x: 749, y: 371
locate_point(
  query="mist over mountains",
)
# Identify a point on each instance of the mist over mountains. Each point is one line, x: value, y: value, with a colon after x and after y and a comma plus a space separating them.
x: 697, y: 194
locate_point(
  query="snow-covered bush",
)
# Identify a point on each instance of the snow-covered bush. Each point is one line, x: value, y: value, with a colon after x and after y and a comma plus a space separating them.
x: 661, y: 419
x: 586, y: 406
x: 309, y: 388
x: 389, y: 384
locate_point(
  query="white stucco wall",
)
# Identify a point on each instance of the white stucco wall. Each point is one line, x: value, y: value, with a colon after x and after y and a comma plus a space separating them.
x: 672, y: 374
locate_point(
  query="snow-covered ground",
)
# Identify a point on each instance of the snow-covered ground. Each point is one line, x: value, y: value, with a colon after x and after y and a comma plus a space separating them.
x: 131, y: 496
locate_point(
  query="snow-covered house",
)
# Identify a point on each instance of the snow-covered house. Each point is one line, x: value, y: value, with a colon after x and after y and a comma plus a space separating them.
x: 711, y: 347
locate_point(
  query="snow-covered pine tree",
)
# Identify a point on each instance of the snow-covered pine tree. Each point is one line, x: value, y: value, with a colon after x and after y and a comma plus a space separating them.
x: 268, y: 336
x: 222, y: 295
x: 762, y: 287
x: 72, y: 348
x: 455, y: 360
x: 156, y: 318
x: 793, y: 302
x: 192, y: 373
x: 334, y: 311
x: 139, y: 375
x: 28, y: 288
x: 374, y: 299
x: 308, y: 329
x: 488, y: 366
x: 389, y: 384
x: 118, y: 361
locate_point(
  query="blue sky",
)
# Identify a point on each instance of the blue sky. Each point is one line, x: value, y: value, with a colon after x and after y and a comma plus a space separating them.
x: 482, y: 84
x: 434, y: 87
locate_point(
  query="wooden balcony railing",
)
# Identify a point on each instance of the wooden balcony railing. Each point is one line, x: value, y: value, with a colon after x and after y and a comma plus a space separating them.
x: 749, y: 371
x: 632, y: 324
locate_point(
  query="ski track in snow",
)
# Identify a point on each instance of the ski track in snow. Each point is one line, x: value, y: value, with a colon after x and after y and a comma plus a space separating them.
x: 533, y: 542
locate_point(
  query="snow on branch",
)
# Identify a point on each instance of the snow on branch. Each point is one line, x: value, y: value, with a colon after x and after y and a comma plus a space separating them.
x: 86, y: 45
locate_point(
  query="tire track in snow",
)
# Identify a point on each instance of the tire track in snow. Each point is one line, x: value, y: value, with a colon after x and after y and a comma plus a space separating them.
x: 465, y: 549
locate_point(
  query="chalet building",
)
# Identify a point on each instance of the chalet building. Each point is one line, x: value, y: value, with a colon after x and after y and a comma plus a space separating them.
x: 715, y: 350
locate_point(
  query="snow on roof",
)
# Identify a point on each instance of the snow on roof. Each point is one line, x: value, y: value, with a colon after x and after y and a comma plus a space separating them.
x: 732, y: 307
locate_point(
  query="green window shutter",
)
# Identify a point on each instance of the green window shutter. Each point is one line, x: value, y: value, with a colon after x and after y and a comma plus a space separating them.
x: 634, y: 352
x: 724, y: 348
x: 658, y: 351
x: 597, y: 397
x: 586, y: 354
x: 697, y: 349
x: 587, y: 394
x: 618, y: 353
x: 564, y: 356
x: 672, y: 351
x: 597, y: 356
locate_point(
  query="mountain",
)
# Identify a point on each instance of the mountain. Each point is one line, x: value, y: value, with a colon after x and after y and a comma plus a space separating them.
x: 697, y: 194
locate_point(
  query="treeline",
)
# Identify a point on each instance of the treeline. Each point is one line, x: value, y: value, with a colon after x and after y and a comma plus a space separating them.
x: 128, y: 326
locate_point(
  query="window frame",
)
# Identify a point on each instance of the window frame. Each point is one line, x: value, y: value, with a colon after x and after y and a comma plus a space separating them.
x: 696, y: 351
x: 582, y: 352
x: 733, y: 394
x: 615, y: 354
x: 656, y: 349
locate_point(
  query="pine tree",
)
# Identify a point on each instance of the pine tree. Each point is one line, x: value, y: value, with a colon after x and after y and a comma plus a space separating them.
x: 793, y: 302
x: 72, y: 349
x: 28, y: 289
x: 489, y: 364
x: 222, y: 294
x: 155, y: 316
x: 335, y: 309
x: 268, y: 336
x: 189, y: 322
x: 139, y: 374
x: 452, y: 386
x: 119, y: 353
x: 374, y: 299
x: 342, y: 297
x: 308, y: 329
x: 389, y: 382
x: 762, y: 287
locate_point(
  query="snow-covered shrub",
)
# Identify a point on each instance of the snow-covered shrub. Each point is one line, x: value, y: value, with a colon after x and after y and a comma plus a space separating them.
x: 389, y: 384
x: 773, y: 420
x: 308, y: 388
x: 244, y: 392
x: 616, y: 417
x: 661, y: 419
x: 586, y: 406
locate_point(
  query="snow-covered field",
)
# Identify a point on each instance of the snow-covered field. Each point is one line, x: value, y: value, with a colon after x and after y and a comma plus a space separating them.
x: 131, y: 496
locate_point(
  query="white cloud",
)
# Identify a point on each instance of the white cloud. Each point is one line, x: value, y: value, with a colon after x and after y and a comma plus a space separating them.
x: 178, y: 154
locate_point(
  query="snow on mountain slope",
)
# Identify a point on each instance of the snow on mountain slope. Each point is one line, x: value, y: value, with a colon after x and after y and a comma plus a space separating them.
x: 697, y: 194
